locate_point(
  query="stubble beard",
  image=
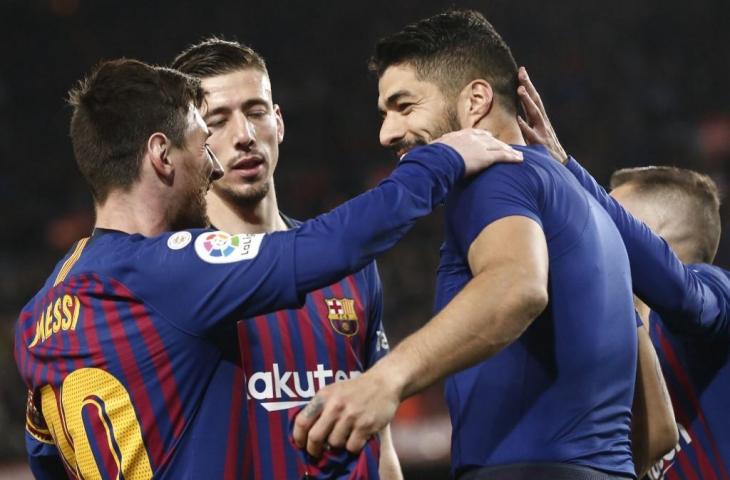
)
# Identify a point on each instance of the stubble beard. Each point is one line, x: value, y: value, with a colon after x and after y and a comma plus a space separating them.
x: 191, y: 211
x: 249, y: 196
x: 449, y: 123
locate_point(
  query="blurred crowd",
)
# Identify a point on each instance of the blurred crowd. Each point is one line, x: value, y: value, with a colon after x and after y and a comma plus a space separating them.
x: 626, y: 84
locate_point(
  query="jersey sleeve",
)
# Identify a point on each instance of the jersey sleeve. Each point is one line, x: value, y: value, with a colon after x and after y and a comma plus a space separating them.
x: 377, y: 342
x: 502, y: 191
x: 218, y: 276
x: 43, y: 458
x: 691, y: 300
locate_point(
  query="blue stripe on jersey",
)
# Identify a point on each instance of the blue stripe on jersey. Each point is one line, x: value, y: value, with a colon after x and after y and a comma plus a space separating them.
x: 282, y: 337
x: 153, y: 383
x: 261, y: 428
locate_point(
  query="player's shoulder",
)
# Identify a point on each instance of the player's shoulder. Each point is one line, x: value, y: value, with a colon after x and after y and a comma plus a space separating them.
x: 531, y: 172
x: 118, y: 254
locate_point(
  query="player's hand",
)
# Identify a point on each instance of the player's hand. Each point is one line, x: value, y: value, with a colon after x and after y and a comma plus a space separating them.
x: 346, y: 414
x: 537, y: 129
x: 479, y: 149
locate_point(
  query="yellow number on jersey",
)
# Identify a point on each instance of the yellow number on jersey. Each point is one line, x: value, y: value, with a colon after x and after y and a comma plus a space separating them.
x: 106, y: 397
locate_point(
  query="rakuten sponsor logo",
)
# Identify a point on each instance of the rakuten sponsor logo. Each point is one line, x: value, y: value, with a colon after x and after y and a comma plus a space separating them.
x: 284, y: 389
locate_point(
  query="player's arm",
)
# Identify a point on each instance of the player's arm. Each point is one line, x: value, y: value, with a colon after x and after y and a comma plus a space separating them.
x: 389, y: 468
x: 350, y: 236
x: 690, y: 300
x: 653, y: 427
x: 43, y: 459
x: 509, y: 262
x: 263, y: 273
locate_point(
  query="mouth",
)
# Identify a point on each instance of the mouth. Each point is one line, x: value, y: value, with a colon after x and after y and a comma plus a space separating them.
x: 249, y: 166
x: 403, y: 147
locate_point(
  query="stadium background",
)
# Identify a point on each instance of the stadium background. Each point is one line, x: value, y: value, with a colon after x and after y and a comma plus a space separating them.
x: 626, y: 83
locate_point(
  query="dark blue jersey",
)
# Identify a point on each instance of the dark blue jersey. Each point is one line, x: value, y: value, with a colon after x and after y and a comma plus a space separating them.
x: 563, y: 391
x: 690, y: 329
x: 131, y: 341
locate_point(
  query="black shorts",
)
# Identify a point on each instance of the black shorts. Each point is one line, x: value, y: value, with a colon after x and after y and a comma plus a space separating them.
x: 538, y: 471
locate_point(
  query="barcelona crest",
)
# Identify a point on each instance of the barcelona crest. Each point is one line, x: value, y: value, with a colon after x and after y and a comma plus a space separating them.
x: 342, y: 315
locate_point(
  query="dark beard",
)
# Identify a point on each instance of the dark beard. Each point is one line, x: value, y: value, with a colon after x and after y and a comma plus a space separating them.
x: 191, y: 211
x: 449, y: 124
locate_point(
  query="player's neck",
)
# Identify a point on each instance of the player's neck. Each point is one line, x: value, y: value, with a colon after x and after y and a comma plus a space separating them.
x: 504, y: 127
x: 232, y: 217
x: 132, y: 213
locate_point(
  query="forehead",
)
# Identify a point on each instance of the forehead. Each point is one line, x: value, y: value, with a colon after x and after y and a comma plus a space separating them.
x: 195, y: 122
x: 236, y: 87
x: 403, y: 80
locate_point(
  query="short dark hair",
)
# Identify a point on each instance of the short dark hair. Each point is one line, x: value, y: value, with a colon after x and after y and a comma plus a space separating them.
x: 115, y: 110
x: 683, y: 191
x: 217, y: 56
x: 451, y: 49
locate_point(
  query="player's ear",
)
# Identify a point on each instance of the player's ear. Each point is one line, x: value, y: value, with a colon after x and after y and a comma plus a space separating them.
x: 158, y: 155
x: 279, y: 123
x: 475, y: 102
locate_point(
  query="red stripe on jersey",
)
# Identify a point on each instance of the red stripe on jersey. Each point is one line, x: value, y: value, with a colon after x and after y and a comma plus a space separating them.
x: 135, y: 381
x: 21, y: 349
x: 74, y: 343
x: 249, y: 460
x: 328, y: 333
x: 233, y: 447
x: 94, y: 416
x: 361, y: 346
x: 89, y: 321
x: 276, y: 434
x: 706, y: 468
x: 160, y: 359
x: 37, y: 380
x: 307, y: 326
x: 684, y: 466
x: 351, y: 343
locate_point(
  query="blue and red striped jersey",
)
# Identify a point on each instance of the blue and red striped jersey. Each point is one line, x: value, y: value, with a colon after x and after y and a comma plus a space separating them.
x: 690, y: 330
x: 130, y: 348
x: 697, y: 373
x: 289, y: 355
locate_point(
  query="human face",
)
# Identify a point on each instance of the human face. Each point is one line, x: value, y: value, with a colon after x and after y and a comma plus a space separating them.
x: 198, y: 168
x: 246, y: 129
x: 415, y: 112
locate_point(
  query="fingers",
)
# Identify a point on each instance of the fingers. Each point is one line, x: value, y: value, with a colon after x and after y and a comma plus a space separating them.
x: 340, y: 432
x: 531, y: 91
x: 357, y: 441
x: 318, y: 434
x: 305, y: 420
x: 527, y: 131
x: 535, y: 116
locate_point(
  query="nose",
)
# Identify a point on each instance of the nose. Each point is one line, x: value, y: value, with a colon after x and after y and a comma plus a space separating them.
x: 245, y: 133
x: 216, y: 171
x: 391, y: 131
